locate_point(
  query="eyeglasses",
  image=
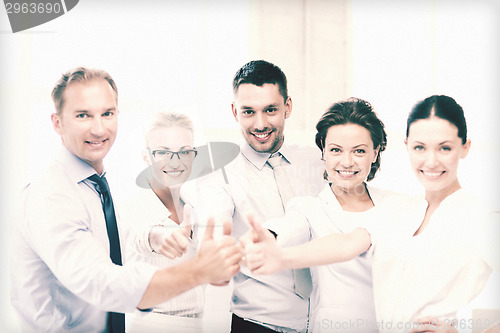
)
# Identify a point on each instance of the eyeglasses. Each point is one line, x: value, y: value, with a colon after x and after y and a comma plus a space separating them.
x: 185, y: 155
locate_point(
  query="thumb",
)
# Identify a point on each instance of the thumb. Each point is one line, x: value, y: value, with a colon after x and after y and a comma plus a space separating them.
x: 209, y: 231
x: 187, y: 230
x: 259, y: 231
x: 226, y: 228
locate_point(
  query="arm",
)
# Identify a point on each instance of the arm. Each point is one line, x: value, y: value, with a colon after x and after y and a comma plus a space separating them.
x: 217, y: 261
x: 265, y: 256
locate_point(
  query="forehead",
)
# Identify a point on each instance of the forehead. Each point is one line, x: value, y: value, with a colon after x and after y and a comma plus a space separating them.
x: 96, y: 93
x: 432, y: 129
x: 348, y: 134
x: 251, y: 93
x: 173, y: 137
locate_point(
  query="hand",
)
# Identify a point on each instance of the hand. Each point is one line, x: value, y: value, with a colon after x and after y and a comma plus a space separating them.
x: 431, y: 324
x: 262, y: 252
x: 172, y: 244
x: 218, y: 260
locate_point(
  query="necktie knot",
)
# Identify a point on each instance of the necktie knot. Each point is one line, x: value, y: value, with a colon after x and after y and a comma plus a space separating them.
x: 275, y: 160
x: 102, y: 183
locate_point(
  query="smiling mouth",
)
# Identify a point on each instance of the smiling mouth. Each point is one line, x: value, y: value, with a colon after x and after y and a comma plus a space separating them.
x: 346, y: 173
x: 174, y: 173
x: 432, y: 174
x: 262, y: 137
x: 96, y: 143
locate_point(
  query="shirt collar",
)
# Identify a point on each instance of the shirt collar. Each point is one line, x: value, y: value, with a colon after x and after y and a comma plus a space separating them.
x: 260, y: 159
x: 77, y: 169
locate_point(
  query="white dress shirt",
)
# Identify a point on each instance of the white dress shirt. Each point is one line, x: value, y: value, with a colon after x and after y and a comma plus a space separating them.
x: 251, y: 188
x: 342, y: 298
x: 62, y: 276
x: 439, y: 271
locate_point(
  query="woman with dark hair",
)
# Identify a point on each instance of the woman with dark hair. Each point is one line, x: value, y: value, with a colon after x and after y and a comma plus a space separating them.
x: 351, y: 138
x: 430, y: 261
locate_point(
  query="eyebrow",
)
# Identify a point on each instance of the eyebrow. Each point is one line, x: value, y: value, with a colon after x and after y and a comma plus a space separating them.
x: 357, y: 146
x: 265, y: 107
x: 167, y: 148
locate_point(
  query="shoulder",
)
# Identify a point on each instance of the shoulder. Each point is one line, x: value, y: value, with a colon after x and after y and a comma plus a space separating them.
x: 392, y: 198
x: 303, y: 205
x: 303, y: 153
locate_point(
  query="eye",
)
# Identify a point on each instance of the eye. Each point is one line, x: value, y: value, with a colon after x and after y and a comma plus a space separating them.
x: 161, y: 152
x: 445, y: 148
x: 247, y: 112
x: 418, y: 148
x: 335, y: 150
x: 271, y: 110
x: 82, y: 115
x: 360, y: 151
x: 184, y: 152
x: 107, y: 114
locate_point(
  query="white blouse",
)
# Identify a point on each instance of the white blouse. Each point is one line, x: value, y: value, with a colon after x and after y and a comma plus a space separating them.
x: 438, y: 271
x: 342, y: 297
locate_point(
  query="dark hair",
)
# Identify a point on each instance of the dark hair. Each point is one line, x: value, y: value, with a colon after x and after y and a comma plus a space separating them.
x: 259, y: 72
x: 443, y: 107
x: 79, y: 74
x: 354, y: 111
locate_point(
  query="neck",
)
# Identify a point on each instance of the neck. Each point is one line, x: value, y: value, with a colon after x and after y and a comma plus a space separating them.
x: 356, y: 199
x: 434, y: 198
x: 169, y: 197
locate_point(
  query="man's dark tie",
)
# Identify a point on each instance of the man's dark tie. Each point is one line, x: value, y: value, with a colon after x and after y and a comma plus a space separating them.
x: 116, y: 321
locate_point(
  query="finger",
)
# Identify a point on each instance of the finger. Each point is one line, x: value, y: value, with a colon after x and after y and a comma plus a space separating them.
x: 260, y: 232
x: 174, y: 243
x: 209, y: 230
x: 167, y: 253
x: 254, y: 261
x: 246, y: 241
x: 181, y: 241
x: 187, y: 230
x: 226, y: 228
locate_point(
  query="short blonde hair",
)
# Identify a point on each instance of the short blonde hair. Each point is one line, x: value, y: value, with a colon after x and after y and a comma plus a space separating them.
x: 78, y: 74
x: 166, y: 120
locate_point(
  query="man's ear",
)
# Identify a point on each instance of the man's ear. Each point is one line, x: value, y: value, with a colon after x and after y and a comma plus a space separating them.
x: 56, y: 122
x: 288, y: 107
x: 234, y: 111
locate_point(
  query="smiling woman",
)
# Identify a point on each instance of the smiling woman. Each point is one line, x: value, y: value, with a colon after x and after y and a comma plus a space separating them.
x: 165, y: 228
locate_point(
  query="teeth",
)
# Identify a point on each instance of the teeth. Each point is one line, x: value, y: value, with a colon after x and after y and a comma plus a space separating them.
x: 346, y: 173
x: 431, y: 174
x: 261, y: 136
x: 173, y: 173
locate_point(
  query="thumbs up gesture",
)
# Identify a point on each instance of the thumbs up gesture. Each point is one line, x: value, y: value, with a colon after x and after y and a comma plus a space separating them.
x: 263, y: 255
x: 172, y: 244
x: 218, y: 260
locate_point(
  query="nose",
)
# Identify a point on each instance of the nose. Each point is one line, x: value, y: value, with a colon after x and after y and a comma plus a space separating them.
x: 346, y: 160
x: 431, y: 159
x: 97, y: 128
x: 260, y: 121
x: 174, y: 161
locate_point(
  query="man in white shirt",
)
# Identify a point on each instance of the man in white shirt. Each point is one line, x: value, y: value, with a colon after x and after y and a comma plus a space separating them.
x: 63, y: 276
x: 261, y: 106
